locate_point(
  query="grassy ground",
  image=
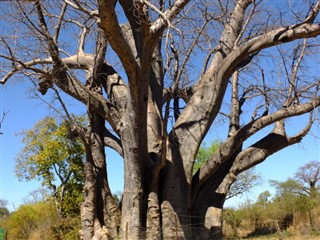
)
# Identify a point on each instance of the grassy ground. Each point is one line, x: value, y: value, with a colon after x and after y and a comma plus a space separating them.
x: 277, y: 237
x: 286, y: 238
x: 285, y: 235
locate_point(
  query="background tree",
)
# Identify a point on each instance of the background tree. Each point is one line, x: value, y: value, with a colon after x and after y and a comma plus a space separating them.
x: 204, y: 153
x: 301, y: 193
x: 25, y: 221
x: 135, y: 67
x: 3, y: 208
x: 308, y: 176
x: 286, y: 201
x: 52, y: 155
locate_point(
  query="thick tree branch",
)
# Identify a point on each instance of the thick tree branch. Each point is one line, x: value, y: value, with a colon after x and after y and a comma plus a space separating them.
x: 22, y: 66
x: 233, y: 26
x: 279, y: 36
x: 257, y: 153
x: 158, y: 26
x: 270, y: 144
x: 113, y: 142
x: 74, y: 87
x: 227, y: 149
x: 137, y: 15
x: 229, y: 63
x: 113, y: 32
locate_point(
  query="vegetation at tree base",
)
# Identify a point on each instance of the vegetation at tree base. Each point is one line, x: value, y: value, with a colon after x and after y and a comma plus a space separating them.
x: 293, y: 211
x: 154, y: 77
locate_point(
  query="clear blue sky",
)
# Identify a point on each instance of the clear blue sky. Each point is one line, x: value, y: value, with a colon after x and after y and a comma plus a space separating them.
x: 24, y: 112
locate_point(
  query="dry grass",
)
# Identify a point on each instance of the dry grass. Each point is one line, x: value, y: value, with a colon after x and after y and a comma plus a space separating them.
x: 286, y: 238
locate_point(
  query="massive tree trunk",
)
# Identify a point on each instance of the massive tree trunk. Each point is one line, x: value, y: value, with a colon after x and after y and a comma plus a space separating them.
x: 156, y: 108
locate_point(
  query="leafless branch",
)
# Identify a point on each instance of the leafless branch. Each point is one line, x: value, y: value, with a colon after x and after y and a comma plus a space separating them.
x: 1, y: 121
x: 76, y: 5
x: 58, y: 27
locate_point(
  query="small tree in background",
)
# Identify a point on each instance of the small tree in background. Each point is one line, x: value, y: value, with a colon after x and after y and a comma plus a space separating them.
x: 3, y: 208
x: 285, y: 201
x: 298, y: 195
x: 308, y: 176
x: 55, y: 157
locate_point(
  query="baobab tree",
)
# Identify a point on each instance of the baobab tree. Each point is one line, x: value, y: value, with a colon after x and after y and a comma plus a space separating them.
x: 309, y: 178
x: 154, y: 77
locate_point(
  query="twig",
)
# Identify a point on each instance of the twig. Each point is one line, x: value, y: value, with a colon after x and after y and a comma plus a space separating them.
x: 1, y: 121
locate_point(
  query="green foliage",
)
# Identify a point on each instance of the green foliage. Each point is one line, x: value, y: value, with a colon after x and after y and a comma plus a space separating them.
x: 49, y: 151
x: 54, y: 156
x: 3, y: 212
x: 40, y: 221
x: 233, y: 217
x: 67, y: 228
x: 118, y: 197
x: 31, y: 220
x: 204, y: 153
x: 3, y: 208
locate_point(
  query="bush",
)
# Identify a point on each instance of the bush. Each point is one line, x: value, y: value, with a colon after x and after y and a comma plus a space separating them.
x: 40, y: 221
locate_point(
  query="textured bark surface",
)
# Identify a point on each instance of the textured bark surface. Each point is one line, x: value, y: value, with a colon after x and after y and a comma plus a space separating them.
x: 148, y: 98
